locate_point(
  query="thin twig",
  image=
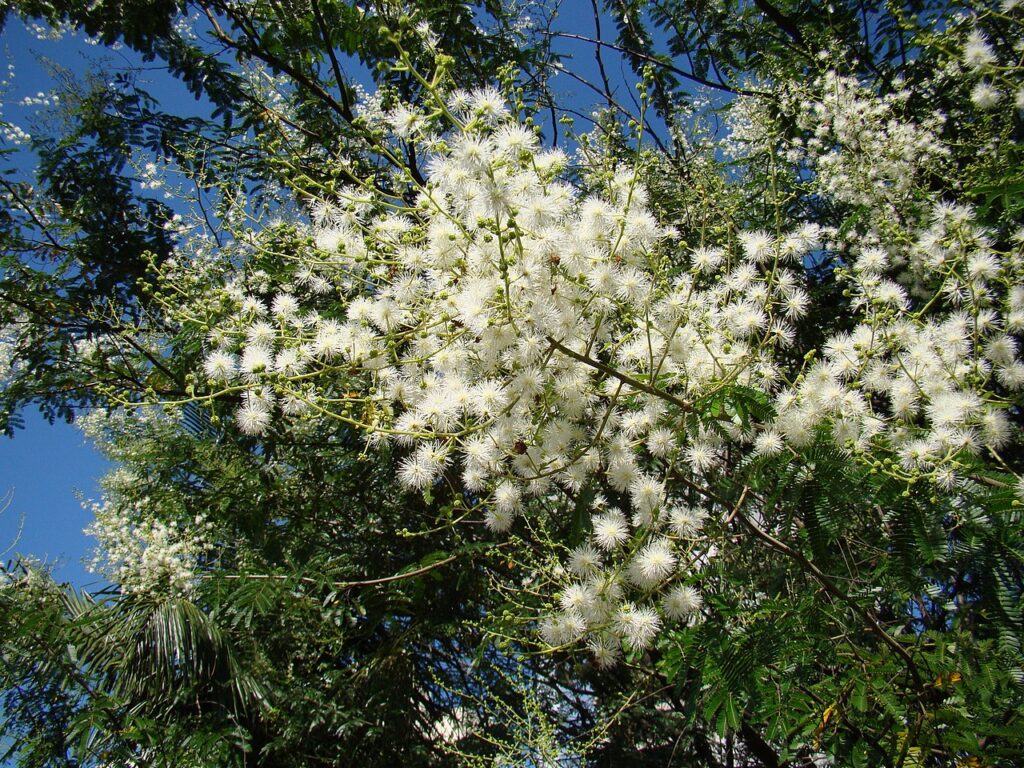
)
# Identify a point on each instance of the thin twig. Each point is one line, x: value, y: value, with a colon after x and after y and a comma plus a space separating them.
x: 736, y: 508
x: 661, y: 63
x: 336, y: 584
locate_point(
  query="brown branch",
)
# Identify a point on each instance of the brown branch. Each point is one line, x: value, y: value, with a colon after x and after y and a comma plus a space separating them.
x: 337, y: 584
x: 756, y: 743
x: 836, y: 592
x: 625, y: 378
x: 736, y: 507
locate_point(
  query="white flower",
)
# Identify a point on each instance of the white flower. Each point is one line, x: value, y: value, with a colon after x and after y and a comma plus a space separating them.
x: 702, y: 456
x: 585, y: 560
x: 253, y: 416
x: 984, y: 95
x: 507, y: 497
x: 768, y: 443
x: 488, y: 104
x: 872, y: 260
x: 289, y: 362
x: 661, y: 442
x: 1011, y: 376
x: 405, y: 122
x: 681, y: 602
x: 498, y: 520
x: 473, y: 318
x: 637, y: 626
x: 419, y: 471
x: 220, y: 366
x: 757, y: 245
x: 261, y: 333
x: 706, y: 260
x: 562, y: 629
x: 487, y: 398
x: 647, y: 494
x: 610, y: 530
x: 284, y: 306
x: 257, y: 358
x: 977, y: 51
x: 606, y: 651
x: 653, y: 564
x: 513, y: 140
x: 577, y: 598
x: 686, y: 522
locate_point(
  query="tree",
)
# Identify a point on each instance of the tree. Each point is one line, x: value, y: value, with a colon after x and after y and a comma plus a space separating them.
x: 699, y: 445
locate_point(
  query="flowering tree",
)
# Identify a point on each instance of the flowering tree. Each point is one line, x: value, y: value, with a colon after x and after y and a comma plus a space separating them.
x: 695, y: 439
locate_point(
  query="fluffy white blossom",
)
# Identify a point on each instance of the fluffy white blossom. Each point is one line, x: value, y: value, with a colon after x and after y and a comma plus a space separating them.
x: 528, y: 338
x: 681, y: 602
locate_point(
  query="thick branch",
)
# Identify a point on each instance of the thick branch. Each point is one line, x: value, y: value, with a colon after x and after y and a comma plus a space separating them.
x: 779, y: 19
x: 761, y: 749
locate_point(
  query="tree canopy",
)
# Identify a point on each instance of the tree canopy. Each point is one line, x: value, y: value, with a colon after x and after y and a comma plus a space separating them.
x: 485, y: 389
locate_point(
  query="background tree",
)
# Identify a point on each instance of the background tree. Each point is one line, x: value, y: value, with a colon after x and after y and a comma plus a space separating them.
x: 802, y: 545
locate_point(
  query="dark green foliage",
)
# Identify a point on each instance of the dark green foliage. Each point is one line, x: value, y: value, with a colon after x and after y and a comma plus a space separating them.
x: 76, y: 249
x: 793, y: 663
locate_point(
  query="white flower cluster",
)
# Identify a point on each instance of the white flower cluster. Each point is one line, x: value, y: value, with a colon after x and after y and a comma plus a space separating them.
x: 537, y: 336
x: 518, y: 337
x: 50, y: 32
x: 626, y: 579
x: 40, y: 100
x: 140, y: 552
x: 935, y: 386
x: 862, y: 148
x: 8, y: 350
x: 931, y: 364
x: 14, y: 134
x: 994, y: 78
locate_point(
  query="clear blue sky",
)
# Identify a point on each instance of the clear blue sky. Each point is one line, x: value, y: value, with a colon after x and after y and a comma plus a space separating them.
x: 41, y: 469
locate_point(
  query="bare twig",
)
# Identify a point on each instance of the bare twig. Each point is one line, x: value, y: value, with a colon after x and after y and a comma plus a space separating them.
x: 337, y: 584
x: 650, y: 58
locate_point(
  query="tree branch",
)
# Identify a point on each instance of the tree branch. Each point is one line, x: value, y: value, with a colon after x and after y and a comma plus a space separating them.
x: 652, y: 59
x: 625, y: 378
x: 339, y: 584
x: 779, y: 19
x: 835, y: 591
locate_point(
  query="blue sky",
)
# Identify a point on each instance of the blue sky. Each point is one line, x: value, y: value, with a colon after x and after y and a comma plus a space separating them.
x: 42, y: 469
